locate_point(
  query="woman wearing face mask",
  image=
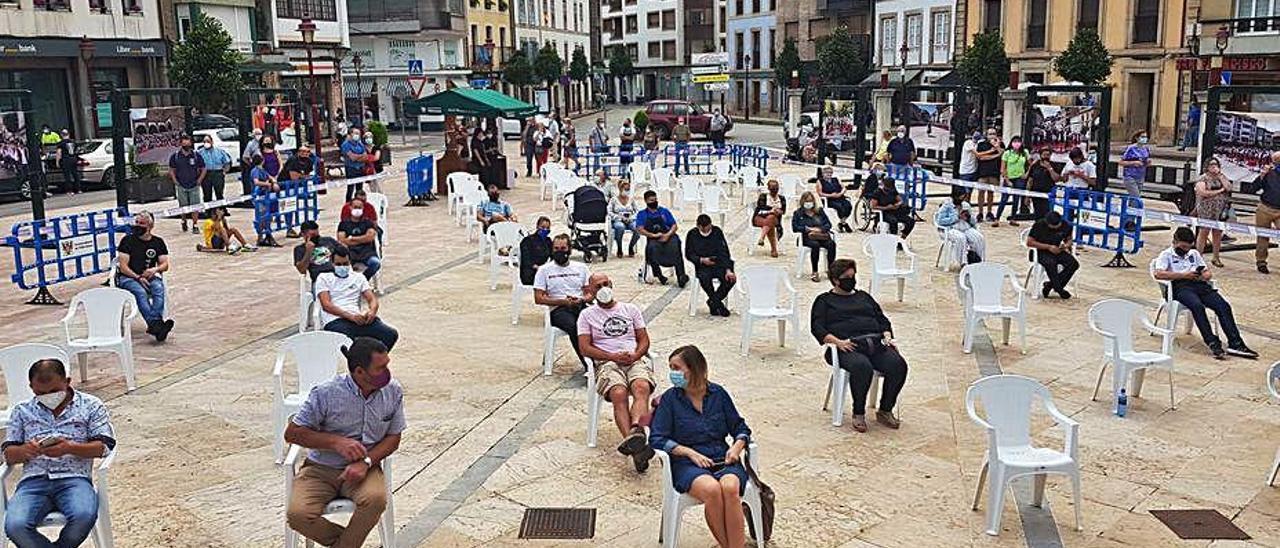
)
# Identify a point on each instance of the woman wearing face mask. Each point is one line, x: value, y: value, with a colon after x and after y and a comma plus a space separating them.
x: 1213, y: 192
x: 622, y: 211
x: 851, y: 321
x: 1136, y: 158
x: 372, y: 161
x: 1013, y: 172
x: 814, y: 228
x: 770, y: 207
x: 691, y: 423
x: 958, y: 219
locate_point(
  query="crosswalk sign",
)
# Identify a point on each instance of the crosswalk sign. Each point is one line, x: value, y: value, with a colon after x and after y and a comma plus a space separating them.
x: 416, y: 68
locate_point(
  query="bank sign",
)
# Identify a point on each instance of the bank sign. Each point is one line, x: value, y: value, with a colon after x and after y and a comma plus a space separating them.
x: 52, y: 47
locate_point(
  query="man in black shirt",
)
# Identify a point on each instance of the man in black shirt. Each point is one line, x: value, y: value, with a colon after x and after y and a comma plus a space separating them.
x: 69, y: 161
x: 358, y: 234
x: 141, y: 257
x: 1268, y: 214
x: 1042, y: 178
x: 315, y: 254
x: 988, y: 153
x: 1051, y: 238
x: 707, y: 249
x: 535, y: 251
x: 892, y: 208
x: 300, y: 165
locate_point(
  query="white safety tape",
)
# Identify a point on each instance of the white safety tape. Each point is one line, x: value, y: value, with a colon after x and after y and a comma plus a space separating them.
x: 336, y: 183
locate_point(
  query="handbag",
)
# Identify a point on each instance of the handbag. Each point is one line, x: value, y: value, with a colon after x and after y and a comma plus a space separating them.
x: 767, y: 501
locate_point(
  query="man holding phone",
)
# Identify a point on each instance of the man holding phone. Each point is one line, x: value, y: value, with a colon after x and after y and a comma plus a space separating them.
x: 1185, y: 268
x: 55, y: 436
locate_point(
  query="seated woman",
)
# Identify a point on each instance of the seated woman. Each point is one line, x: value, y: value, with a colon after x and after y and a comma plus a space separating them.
x: 770, y: 207
x: 217, y: 234
x: 622, y: 213
x: 690, y: 424
x: 852, y: 321
x: 814, y: 228
x: 831, y: 190
x: 956, y: 216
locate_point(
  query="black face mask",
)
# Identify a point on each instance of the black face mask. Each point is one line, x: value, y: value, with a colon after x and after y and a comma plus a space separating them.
x: 560, y: 257
x: 847, y: 284
x: 1181, y: 252
x: 139, y: 231
x: 186, y: 148
x: 315, y: 239
x: 651, y: 205
x: 493, y: 197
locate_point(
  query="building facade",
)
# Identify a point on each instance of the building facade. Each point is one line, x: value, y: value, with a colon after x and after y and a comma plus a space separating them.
x: 915, y: 37
x: 71, y: 53
x: 807, y: 21
x: 386, y: 37
x: 490, y: 40
x: 1144, y: 37
x: 566, y: 26
x: 313, y: 67
x: 750, y: 39
x: 1239, y: 37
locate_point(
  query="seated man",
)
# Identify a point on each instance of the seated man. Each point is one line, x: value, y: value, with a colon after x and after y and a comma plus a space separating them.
x: 370, y: 213
x: 957, y: 217
x: 564, y: 287
x: 340, y: 294
x: 358, y: 235
x: 658, y: 225
x: 707, y: 249
x: 141, y: 257
x: 351, y: 423
x: 314, y: 255
x: 614, y: 335
x: 1051, y: 236
x: 831, y: 190
x: 892, y: 208
x: 1182, y: 265
x: 535, y: 251
x: 55, y: 436
x: 218, y: 233
x: 494, y: 210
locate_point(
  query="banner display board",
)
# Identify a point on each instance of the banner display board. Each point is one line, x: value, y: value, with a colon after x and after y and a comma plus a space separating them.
x: 838, y: 121
x: 156, y: 132
x: 277, y: 120
x: 1064, y: 127
x: 13, y: 144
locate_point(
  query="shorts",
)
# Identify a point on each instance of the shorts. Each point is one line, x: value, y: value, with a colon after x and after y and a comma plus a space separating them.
x: 609, y: 375
x: 187, y: 196
x: 993, y: 180
x: 216, y: 242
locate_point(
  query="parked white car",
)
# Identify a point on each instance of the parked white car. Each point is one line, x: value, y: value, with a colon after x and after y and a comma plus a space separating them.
x: 227, y: 139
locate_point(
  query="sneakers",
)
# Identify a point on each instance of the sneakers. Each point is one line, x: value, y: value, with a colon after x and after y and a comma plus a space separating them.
x: 1218, y: 353
x: 1044, y: 290
x: 1262, y: 267
x: 194, y: 229
x: 641, y: 459
x: 634, y: 442
x: 860, y: 423
x: 1064, y: 293
x: 161, y: 330
x: 184, y: 226
x: 1242, y: 351
x: 886, y: 418
x: 682, y: 281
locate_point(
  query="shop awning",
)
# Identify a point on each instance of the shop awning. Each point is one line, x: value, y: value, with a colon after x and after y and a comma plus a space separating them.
x: 896, y: 77
x: 471, y: 102
x: 255, y: 66
x: 951, y: 78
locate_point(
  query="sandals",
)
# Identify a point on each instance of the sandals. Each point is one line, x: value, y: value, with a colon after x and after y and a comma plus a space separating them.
x: 860, y: 423
x: 814, y: 277
x: 1217, y: 263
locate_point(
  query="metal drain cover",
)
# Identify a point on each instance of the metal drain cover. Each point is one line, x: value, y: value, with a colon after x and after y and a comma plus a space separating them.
x: 1200, y: 524
x: 558, y: 523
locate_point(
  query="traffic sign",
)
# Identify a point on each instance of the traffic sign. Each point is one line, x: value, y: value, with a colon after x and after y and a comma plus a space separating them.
x: 716, y: 86
x: 417, y: 83
x: 709, y: 69
x: 416, y: 68
x: 710, y: 78
x: 714, y: 58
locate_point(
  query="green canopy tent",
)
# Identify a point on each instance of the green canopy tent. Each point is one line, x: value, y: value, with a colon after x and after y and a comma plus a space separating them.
x: 482, y: 103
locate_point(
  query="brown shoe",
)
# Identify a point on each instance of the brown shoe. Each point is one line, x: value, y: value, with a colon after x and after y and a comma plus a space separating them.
x: 887, y: 419
x: 860, y: 423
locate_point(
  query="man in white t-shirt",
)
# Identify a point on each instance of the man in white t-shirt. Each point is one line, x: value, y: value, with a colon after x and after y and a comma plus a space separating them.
x: 565, y: 287
x: 1183, y: 266
x: 340, y: 294
x: 969, y: 158
x: 614, y: 335
x: 1079, y: 171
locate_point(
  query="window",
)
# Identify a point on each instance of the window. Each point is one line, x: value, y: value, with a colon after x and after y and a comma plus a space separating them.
x: 739, y: 49
x: 1087, y: 18
x: 632, y: 25
x: 773, y: 5
x: 755, y: 6
x: 991, y: 15
x: 773, y: 53
x: 655, y: 50
x: 653, y: 20
x: 488, y: 33
x: 1146, y: 21
x: 99, y: 6
x: 1257, y: 15
x: 680, y: 109
x: 319, y: 10
x: 184, y: 26
x: 888, y: 40
x: 660, y: 108
x: 940, y: 37
x: 669, y: 20
x: 739, y: 7
x: 791, y: 30
x: 502, y: 37
x: 669, y: 50
x: 697, y: 17
x: 755, y: 49
x: 633, y: 50
x: 915, y: 36
x: 1037, y: 12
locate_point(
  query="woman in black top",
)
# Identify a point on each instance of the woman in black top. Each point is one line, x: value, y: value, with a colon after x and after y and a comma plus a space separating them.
x: 853, y: 322
x: 479, y: 160
x: 814, y: 228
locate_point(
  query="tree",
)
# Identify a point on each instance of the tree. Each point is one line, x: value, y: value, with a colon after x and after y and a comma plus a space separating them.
x: 518, y: 71
x: 1085, y: 60
x: 786, y: 62
x: 207, y: 65
x: 547, y: 66
x: 840, y: 60
x: 620, y: 65
x: 579, y: 69
x: 984, y: 66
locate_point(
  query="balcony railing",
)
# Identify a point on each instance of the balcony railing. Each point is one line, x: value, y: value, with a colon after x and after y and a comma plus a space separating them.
x: 487, y: 57
x: 1246, y: 25
x: 53, y: 5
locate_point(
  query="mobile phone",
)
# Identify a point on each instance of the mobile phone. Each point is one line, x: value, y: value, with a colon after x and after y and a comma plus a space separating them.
x: 1200, y: 269
x: 50, y: 441
x: 717, y: 465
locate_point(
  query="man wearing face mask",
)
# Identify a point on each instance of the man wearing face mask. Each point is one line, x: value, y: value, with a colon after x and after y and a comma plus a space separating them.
x: 565, y: 287
x: 141, y: 258
x: 614, y: 335
x: 599, y: 140
x: 358, y: 235
x: 186, y: 171
x: 1182, y: 265
x: 494, y: 210
x: 893, y: 209
x: 658, y: 225
x: 353, y: 158
x: 252, y: 148
x: 216, y: 164
x: 969, y: 158
x: 535, y: 251
x: 301, y: 165
x: 1051, y: 236
x: 681, y: 134
x: 351, y: 423
x: 314, y: 255
x: 1268, y: 213
x: 706, y: 248
x: 626, y: 143
x: 55, y: 436
x: 340, y: 293
x: 901, y: 149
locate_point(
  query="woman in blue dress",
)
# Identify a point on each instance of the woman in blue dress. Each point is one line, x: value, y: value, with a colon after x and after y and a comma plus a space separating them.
x: 691, y: 423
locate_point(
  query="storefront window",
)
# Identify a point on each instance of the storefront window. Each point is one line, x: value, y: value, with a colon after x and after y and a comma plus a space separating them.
x: 49, y: 95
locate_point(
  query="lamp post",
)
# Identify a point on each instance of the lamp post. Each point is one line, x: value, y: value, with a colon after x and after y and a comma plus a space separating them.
x: 87, y: 48
x: 358, y: 63
x: 307, y: 28
x: 746, y: 64
x: 1222, y: 39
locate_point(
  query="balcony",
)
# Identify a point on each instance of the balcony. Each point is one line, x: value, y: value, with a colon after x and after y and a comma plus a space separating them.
x: 489, y: 57
x: 53, y: 5
x: 1248, y: 36
x: 844, y: 6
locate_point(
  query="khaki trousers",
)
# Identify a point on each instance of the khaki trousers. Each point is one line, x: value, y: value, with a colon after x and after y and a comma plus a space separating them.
x: 316, y: 486
x: 1266, y: 217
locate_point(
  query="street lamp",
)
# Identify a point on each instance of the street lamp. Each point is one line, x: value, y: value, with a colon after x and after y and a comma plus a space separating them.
x: 86, y: 54
x: 307, y: 28
x: 1222, y: 39
x: 746, y: 63
x: 358, y: 63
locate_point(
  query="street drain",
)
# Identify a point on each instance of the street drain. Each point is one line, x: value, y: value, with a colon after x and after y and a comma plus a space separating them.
x: 558, y: 523
x: 1200, y: 524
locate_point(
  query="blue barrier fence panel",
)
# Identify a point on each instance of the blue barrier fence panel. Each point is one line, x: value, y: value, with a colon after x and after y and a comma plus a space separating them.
x: 748, y: 155
x: 66, y: 247
x: 1102, y: 220
x: 912, y: 182
x: 695, y: 158
x: 421, y: 173
x: 285, y: 210
x: 614, y: 160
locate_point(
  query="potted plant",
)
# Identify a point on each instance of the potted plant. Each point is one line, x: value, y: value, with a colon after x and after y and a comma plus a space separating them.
x: 380, y: 138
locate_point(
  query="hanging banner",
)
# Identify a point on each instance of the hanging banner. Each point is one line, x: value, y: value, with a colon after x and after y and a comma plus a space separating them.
x: 1068, y: 121
x: 1245, y: 141
x: 838, y: 121
x: 13, y: 144
x: 930, y: 124
x: 277, y: 120
x: 156, y: 132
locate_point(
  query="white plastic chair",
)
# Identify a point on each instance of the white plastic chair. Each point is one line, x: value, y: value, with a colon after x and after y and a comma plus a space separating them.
x: 518, y: 293
x: 1007, y: 401
x: 640, y: 174
x: 802, y: 255
x: 945, y: 249
x: 595, y: 400
x: 1113, y: 319
x: 1035, y: 271
x: 722, y: 171
x: 838, y: 386
x: 1170, y: 310
x: 503, y: 235
x: 467, y: 207
x: 675, y: 503
x: 752, y: 180
x: 108, y: 311
x: 690, y: 192
x: 564, y: 185
x: 762, y: 287
x: 379, y: 202
x: 168, y: 296
x: 712, y: 202
x: 695, y: 293
x: 318, y: 355
x: 1273, y: 386
x: 789, y: 186
x: 662, y: 179
x: 340, y: 506
x: 550, y: 334
x: 549, y: 173
x: 101, y: 532
x: 308, y: 305
x: 457, y: 181
x: 16, y: 361
x: 982, y: 285
x: 883, y: 251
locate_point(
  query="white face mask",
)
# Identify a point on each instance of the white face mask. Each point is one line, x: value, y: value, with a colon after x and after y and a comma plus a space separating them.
x: 902, y: 134
x: 53, y: 399
x: 604, y: 295
x: 808, y: 205
x: 357, y: 213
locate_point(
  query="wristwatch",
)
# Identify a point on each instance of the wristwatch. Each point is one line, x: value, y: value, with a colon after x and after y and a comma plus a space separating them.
x: 368, y: 462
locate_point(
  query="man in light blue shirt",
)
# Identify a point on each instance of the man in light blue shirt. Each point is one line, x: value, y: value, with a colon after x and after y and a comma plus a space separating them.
x: 216, y: 164
x: 55, y: 436
x: 353, y: 157
x: 494, y: 210
x: 351, y: 423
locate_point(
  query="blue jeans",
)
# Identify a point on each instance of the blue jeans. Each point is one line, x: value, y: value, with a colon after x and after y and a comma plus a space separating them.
x: 37, y: 496
x: 682, y: 151
x: 621, y: 227
x: 371, y: 266
x: 150, y: 298
x: 1019, y: 209
x: 376, y: 329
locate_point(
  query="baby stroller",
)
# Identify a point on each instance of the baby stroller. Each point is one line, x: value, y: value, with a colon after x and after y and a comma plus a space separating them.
x: 589, y: 221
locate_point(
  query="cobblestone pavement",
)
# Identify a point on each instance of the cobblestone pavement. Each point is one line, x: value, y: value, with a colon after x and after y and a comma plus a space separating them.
x: 490, y: 436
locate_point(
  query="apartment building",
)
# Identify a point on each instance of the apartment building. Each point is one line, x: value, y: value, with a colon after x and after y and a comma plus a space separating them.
x: 914, y: 39
x: 330, y: 42
x: 750, y: 36
x: 566, y: 26
x: 490, y: 40
x: 386, y: 36
x: 808, y: 21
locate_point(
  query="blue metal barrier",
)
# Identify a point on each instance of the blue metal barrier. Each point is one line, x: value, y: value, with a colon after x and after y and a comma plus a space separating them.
x: 285, y: 210
x: 695, y: 158
x: 750, y: 155
x: 1102, y: 220
x: 912, y: 182
x: 612, y: 159
x: 63, y: 248
x: 421, y: 172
